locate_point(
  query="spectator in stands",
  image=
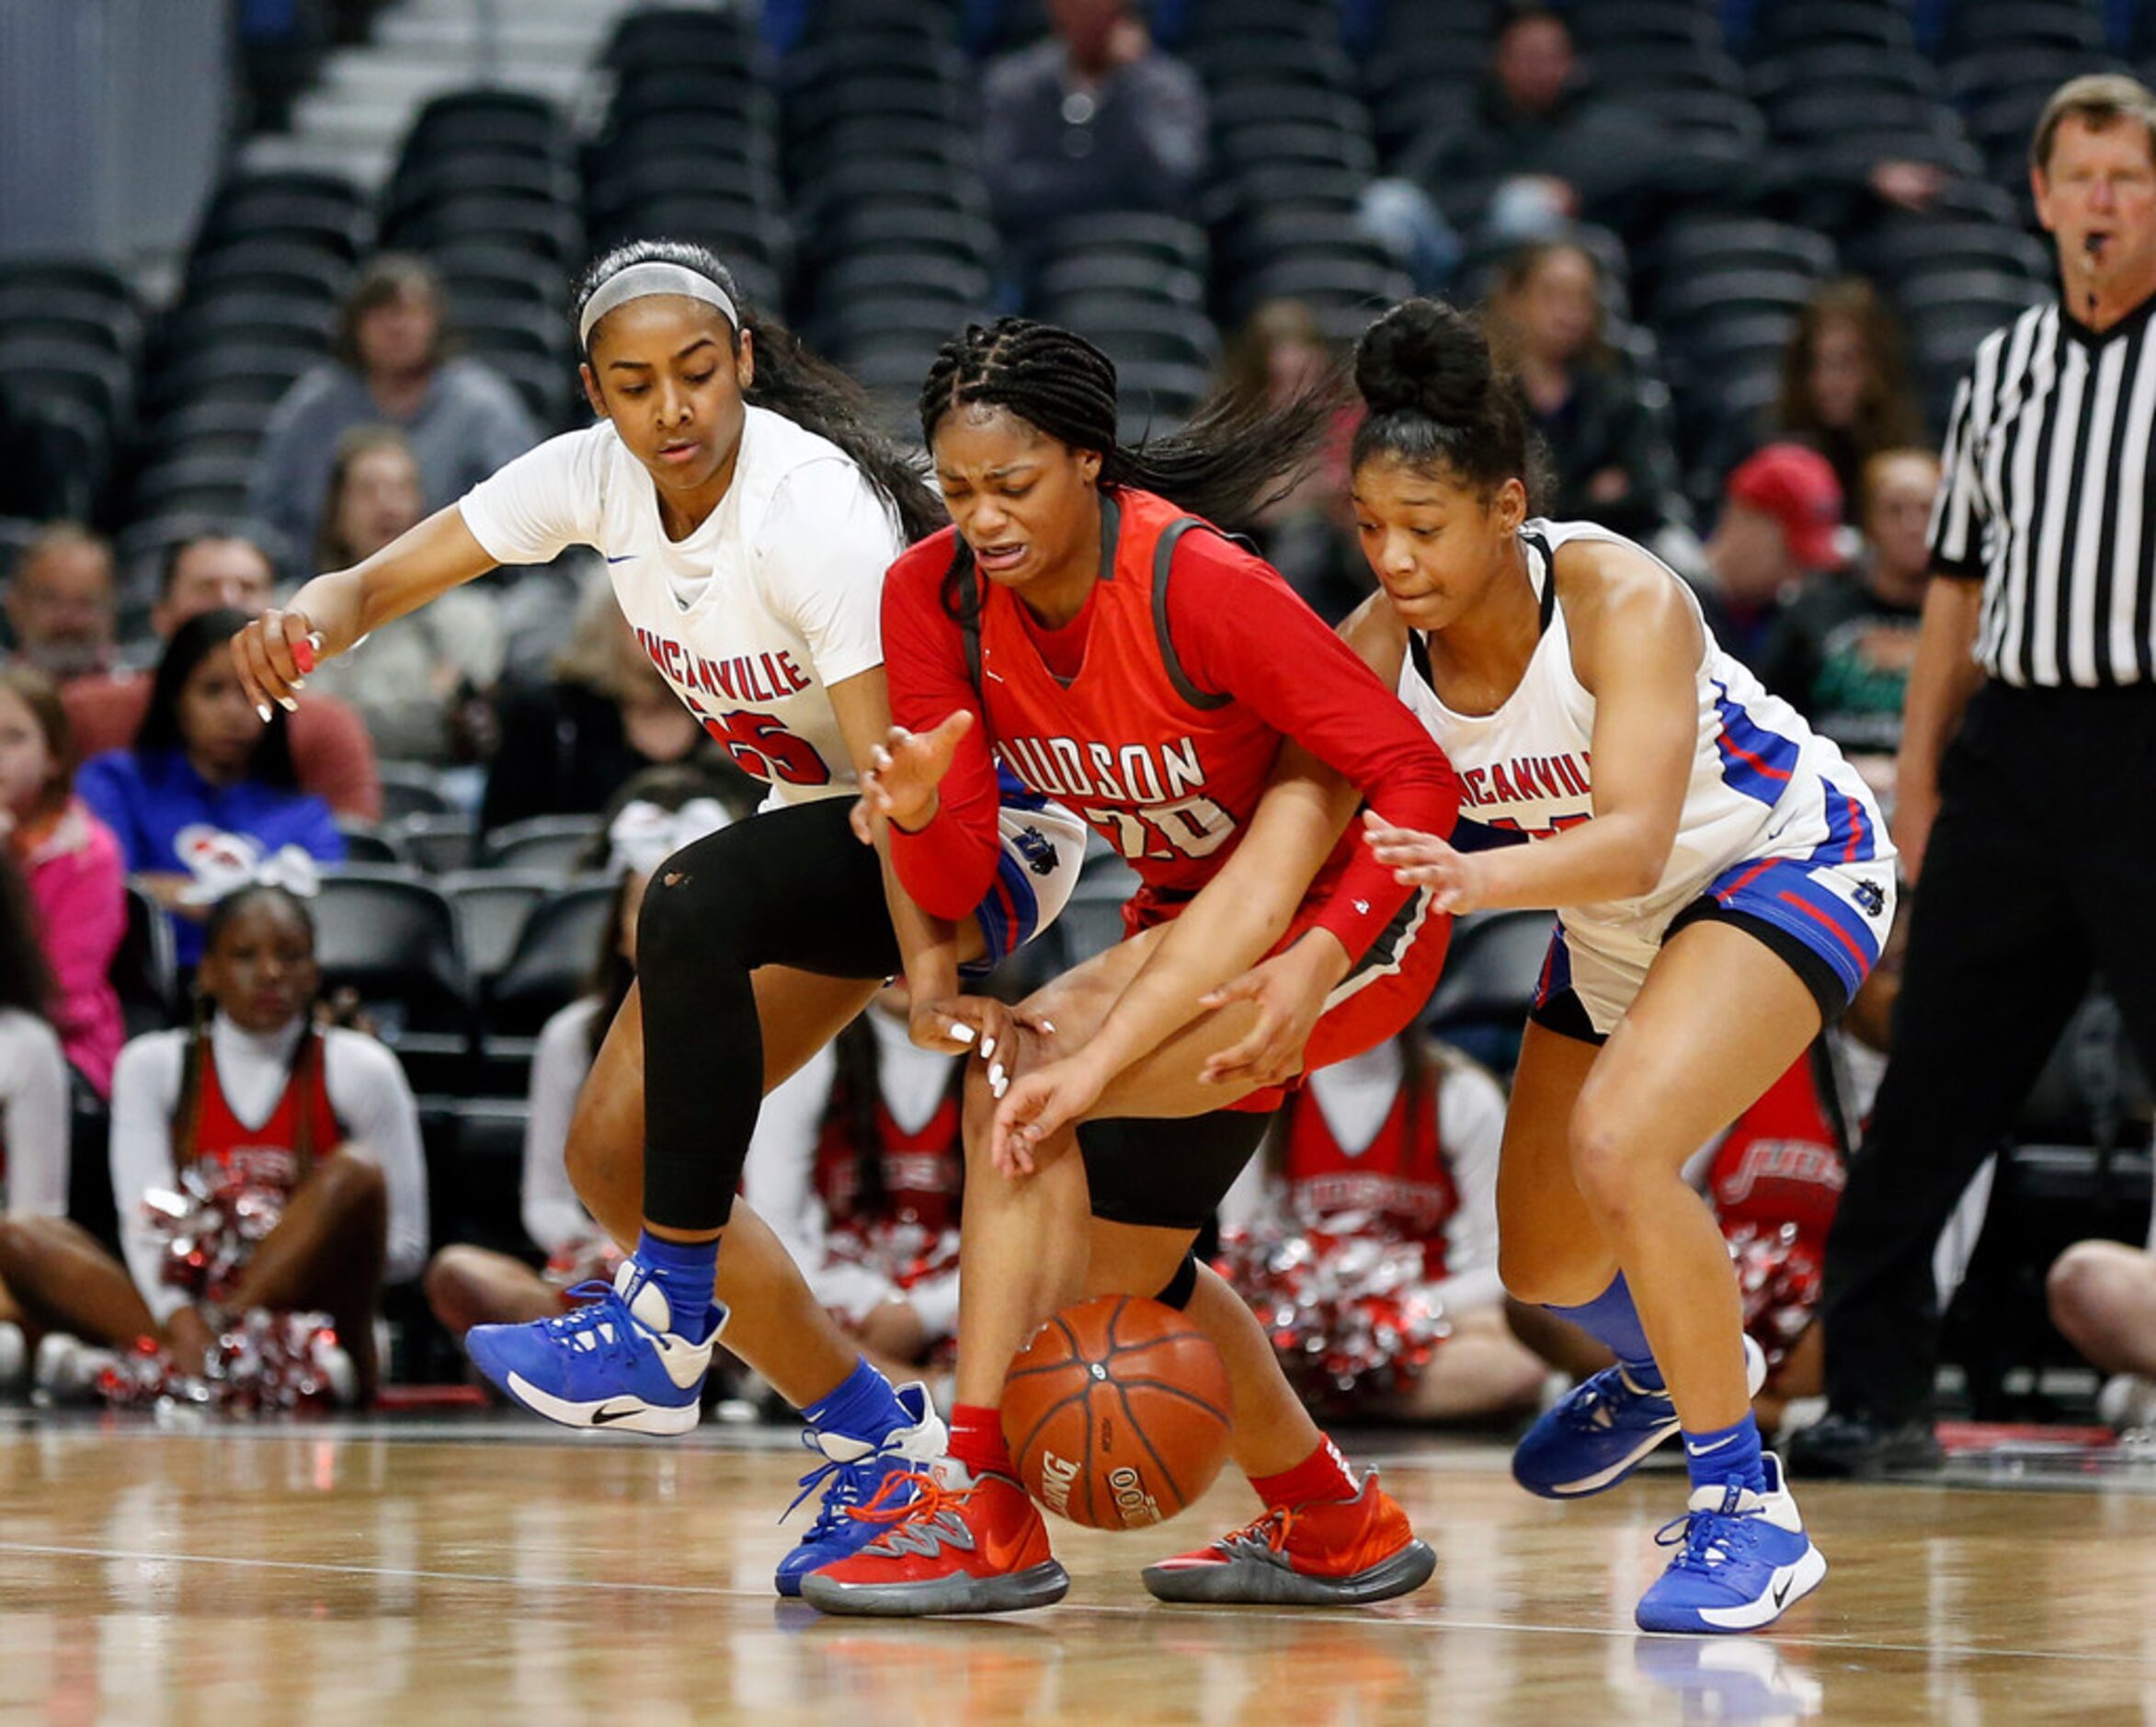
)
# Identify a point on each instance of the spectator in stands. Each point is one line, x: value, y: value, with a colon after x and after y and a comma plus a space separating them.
x: 1308, y: 533
x: 1845, y: 388
x: 566, y: 746
x: 1781, y: 521
x: 1538, y: 148
x: 2102, y: 1296
x: 421, y: 683
x: 1843, y: 652
x: 1095, y: 118
x: 858, y: 1163
x: 658, y: 812
x: 1399, y: 1144
x: 60, y: 603
x: 206, y: 797
x: 390, y: 366
x: 72, y: 866
x: 318, y: 1123
x: 1612, y: 457
x: 34, y: 1120
x: 332, y: 754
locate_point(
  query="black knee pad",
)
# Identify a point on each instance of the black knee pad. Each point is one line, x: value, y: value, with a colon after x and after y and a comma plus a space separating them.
x: 1181, y: 1286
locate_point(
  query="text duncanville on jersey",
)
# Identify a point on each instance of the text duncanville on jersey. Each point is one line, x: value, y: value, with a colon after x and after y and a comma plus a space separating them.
x: 763, y: 676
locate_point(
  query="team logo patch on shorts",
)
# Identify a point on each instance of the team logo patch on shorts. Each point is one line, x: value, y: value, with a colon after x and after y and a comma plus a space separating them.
x: 1039, y: 851
x: 1871, y: 896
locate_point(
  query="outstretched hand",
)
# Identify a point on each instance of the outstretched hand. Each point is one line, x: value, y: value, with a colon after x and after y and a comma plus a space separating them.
x: 273, y: 654
x: 900, y: 781
x: 1422, y: 860
x: 1035, y: 1107
x: 1289, y: 992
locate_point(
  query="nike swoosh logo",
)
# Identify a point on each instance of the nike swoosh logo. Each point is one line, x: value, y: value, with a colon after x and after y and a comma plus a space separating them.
x: 1700, y: 1451
x: 1781, y: 1594
x: 607, y: 1417
x: 626, y: 557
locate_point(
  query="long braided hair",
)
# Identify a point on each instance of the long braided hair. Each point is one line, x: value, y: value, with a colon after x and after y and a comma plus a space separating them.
x: 790, y: 380
x: 305, y: 1063
x: 1235, y: 455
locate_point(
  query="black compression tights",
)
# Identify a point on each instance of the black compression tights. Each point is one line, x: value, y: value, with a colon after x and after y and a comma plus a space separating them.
x: 791, y: 888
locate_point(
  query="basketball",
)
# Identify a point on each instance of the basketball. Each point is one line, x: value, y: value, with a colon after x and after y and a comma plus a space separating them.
x: 1116, y: 1411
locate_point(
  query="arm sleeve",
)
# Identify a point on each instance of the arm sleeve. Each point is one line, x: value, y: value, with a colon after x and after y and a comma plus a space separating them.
x: 372, y: 1099
x: 826, y: 544
x: 553, y: 1216
x: 540, y: 504
x: 333, y: 757
x: 145, y: 1091
x: 1471, y: 1127
x: 1957, y: 513
x: 1239, y: 629
x: 946, y: 866
x: 33, y: 1106
x: 777, y: 1179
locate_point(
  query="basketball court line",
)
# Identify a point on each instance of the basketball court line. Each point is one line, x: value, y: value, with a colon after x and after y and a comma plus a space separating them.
x: 1788, y: 1645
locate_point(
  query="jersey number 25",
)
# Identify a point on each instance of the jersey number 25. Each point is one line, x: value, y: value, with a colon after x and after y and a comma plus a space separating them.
x: 759, y: 744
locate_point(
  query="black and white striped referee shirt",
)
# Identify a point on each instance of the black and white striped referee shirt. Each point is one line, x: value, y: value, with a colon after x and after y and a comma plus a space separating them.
x: 2049, y: 498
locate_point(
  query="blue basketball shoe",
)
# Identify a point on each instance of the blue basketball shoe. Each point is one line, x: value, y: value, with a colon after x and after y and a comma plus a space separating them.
x: 1741, y: 1559
x: 614, y: 1361
x: 852, y: 1472
x: 1602, y: 1430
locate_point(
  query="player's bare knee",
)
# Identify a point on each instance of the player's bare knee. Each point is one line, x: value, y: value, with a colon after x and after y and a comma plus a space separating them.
x: 2073, y: 1288
x: 19, y: 1251
x: 354, y: 1188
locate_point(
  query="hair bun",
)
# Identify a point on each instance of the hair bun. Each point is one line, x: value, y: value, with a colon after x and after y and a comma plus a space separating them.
x: 1425, y: 357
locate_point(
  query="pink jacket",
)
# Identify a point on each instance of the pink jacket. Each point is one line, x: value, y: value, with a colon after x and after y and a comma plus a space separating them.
x: 78, y: 881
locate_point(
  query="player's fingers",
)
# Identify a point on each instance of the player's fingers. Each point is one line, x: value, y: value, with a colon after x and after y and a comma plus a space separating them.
x: 953, y: 727
x: 282, y: 633
x: 858, y: 819
x: 248, y: 664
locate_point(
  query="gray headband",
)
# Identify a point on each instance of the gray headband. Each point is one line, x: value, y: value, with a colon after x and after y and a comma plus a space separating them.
x: 652, y: 277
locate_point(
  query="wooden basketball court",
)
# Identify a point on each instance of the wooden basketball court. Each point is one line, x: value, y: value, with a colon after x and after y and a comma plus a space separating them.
x: 489, y: 1570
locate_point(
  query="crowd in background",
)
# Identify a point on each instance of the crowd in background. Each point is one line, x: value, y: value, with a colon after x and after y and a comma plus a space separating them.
x: 129, y: 753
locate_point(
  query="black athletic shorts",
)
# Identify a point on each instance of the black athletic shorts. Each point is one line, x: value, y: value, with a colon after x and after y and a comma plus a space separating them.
x: 1167, y: 1174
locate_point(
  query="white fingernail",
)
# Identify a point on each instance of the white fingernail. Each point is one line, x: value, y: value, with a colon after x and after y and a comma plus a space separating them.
x: 299, y: 683
x: 288, y: 704
x: 988, y: 1046
x: 997, y: 1088
x: 961, y: 1033
x: 996, y: 1077
x: 315, y: 640
x: 263, y: 708
x: 1047, y: 1025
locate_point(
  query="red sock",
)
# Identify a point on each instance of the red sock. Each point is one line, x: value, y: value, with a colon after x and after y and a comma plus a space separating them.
x: 976, y: 1439
x: 1323, y: 1475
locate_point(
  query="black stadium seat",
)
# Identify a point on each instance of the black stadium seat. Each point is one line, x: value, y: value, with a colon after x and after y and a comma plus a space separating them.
x: 390, y: 935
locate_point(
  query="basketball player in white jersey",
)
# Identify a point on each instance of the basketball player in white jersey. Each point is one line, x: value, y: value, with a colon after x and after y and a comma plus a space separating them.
x: 1722, y: 883
x: 747, y: 515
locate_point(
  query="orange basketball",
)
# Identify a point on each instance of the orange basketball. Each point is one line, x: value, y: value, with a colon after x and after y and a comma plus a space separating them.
x: 1116, y: 1413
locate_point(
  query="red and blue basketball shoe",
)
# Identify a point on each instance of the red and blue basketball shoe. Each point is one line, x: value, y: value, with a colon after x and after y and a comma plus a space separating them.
x: 964, y: 1543
x: 613, y: 1361
x: 1741, y: 1559
x: 1603, y: 1429
x: 854, y: 1474
x: 1330, y: 1553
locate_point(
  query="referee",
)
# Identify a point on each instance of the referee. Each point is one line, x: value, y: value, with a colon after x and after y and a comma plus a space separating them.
x: 2026, y: 794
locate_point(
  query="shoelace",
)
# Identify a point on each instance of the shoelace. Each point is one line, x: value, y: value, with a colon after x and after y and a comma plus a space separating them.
x: 1270, y: 1527
x: 844, y: 1494
x: 603, y: 1304
x: 1708, y: 1537
x: 932, y: 1501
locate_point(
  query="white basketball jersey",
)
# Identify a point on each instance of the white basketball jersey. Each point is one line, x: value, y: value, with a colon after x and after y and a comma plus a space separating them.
x: 1762, y: 783
x: 750, y: 617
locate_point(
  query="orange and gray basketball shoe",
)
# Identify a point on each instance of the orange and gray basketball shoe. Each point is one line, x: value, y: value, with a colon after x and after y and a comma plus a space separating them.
x: 965, y: 1543
x: 1328, y: 1553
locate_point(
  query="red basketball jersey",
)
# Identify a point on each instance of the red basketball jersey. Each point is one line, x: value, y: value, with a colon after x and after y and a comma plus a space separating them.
x: 923, y: 1173
x: 1780, y: 1162
x: 1168, y: 773
x: 269, y: 1156
x: 1400, y: 1176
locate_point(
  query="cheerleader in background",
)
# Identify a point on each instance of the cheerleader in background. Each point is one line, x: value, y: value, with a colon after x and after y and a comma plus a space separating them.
x: 1398, y: 1147
x: 316, y: 1125
x: 859, y: 1162
x: 33, y: 1106
x: 657, y: 813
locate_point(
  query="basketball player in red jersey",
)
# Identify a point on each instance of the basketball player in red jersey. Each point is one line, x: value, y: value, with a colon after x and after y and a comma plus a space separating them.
x: 1100, y: 637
